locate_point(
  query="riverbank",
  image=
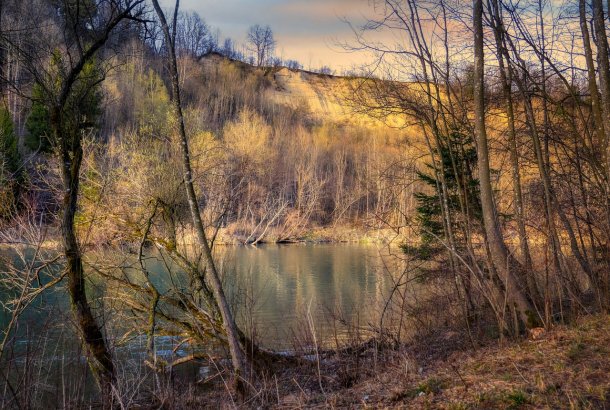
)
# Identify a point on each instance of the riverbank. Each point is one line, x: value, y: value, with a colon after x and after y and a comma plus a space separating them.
x: 315, y: 234
x: 230, y: 236
x: 566, y: 367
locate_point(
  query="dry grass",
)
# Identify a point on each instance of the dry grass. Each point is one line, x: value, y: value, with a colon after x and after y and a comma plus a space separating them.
x: 568, y: 367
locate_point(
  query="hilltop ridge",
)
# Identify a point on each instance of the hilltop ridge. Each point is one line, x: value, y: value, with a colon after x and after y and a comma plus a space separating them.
x: 324, y: 96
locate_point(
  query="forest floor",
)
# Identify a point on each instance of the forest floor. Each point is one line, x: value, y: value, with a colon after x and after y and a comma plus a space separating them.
x: 566, y: 367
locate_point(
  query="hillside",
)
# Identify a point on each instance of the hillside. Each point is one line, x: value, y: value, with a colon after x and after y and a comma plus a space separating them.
x: 286, y: 153
x: 323, y: 97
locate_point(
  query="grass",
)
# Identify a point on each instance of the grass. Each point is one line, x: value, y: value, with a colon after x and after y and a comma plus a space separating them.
x: 517, y: 398
x: 567, y: 368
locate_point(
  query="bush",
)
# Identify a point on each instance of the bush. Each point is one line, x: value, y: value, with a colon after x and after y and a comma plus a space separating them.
x: 10, y: 163
x: 37, y: 123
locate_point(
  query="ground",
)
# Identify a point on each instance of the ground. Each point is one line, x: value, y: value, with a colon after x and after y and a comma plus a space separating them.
x: 565, y: 367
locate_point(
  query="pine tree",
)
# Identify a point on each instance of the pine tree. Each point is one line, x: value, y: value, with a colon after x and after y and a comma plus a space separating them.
x: 37, y: 123
x: 83, y: 106
x: 457, y: 160
x: 10, y: 163
x: 8, y: 142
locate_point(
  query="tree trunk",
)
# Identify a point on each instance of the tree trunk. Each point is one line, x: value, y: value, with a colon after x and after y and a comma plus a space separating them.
x: 551, y: 203
x: 599, y: 125
x: 604, y: 72
x: 506, y: 79
x: 91, y: 333
x: 598, y: 122
x: 603, y: 63
x: 238, y: 358
x: 505, y: 264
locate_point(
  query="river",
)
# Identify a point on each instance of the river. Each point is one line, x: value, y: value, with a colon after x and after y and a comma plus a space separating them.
x: 284, y: 296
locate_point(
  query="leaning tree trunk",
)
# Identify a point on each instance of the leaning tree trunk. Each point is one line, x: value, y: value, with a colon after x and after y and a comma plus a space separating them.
x: 60, y: 88
x: 100, y: 359
x: 503, y: 261
x: 238, y: 358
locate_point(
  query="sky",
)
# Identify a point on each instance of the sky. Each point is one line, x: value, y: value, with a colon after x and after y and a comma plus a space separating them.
x: 309, y: 31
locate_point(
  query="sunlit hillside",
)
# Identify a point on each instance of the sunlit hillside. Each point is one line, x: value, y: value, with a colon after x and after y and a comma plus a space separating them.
x: 321, y: 97
x: 300, y: 158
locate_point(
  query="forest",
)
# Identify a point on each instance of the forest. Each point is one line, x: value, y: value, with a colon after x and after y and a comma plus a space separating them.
x: 430, y: 229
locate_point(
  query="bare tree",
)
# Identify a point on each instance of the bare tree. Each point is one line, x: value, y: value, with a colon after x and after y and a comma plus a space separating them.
x: 599, y: 24
x: 261, y: 43
x: 193, y: 35
x: 85, y: 28
x: 503, y: 261
x: 228, y: 48
x: 293, y: 65
x: 326, y: 70
x: 239, y: 359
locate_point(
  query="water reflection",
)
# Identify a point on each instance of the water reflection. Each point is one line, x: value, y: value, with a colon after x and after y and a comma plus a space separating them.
x: 274, y: 289
x: 285, y: 283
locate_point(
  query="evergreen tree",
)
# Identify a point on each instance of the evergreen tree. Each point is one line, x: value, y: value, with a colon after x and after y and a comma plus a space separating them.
x: 9, y: 165
x: 37, y: 123
x: 83, y: 106
x: 456, y: 160
x: 8, y: 142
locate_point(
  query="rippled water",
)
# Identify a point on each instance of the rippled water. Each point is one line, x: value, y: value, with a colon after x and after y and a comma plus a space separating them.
x: 282, y: 294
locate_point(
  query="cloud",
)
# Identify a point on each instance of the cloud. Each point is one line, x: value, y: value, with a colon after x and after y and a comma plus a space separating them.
x: 324, y: 10
x: 306, y: 30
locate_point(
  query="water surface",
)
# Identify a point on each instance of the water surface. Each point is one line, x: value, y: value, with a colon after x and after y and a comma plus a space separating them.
x: 283, y: 295
x: 297, y: 289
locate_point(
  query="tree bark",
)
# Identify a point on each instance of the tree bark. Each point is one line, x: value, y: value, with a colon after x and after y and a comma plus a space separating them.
x: 503, y: 261
x: 598, y: 122
x: 603, y: 65
x: 238, y: 358
x: 551, y: 203
x: 599, y: 25
x: 71, y: 156
x: 506, y: 79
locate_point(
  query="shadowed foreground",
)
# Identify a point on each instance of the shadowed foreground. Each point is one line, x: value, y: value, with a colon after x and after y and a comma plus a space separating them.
x: 566, y: 367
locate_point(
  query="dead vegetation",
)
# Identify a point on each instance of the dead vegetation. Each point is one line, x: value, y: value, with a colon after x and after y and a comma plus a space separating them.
x: 565, y: 367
